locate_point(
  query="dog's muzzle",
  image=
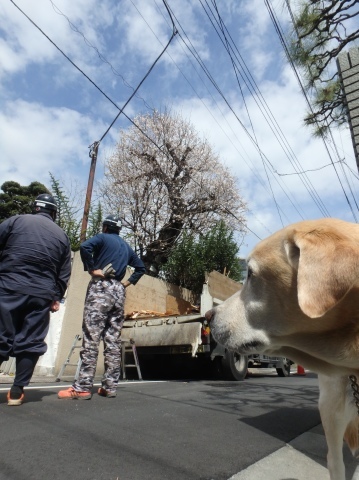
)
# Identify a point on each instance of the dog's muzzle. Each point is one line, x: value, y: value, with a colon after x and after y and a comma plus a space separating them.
x: 209, y: 315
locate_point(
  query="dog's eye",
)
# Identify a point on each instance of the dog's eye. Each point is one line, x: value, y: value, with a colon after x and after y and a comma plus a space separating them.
x: 249, y: 273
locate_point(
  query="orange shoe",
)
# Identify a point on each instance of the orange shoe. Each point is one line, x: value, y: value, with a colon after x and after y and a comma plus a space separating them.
x: 14, y: 401
x: 73, y: 394
x: 105, y: 393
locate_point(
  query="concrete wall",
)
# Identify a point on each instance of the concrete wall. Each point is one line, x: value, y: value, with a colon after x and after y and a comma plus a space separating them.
x: 72, y: 321
x: 46, y: 364
x: 348, y: 67
x: 221, y: 287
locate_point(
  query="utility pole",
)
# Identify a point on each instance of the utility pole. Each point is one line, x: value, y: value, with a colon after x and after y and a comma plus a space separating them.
x: 348, y: 68
x: 93, y: 155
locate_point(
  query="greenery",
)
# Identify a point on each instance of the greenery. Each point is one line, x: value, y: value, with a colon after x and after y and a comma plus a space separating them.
x: 192, y: 257
x: 66, y: 214
x: 321, y: 30
x: 95, y: 221
x: 18, y: 199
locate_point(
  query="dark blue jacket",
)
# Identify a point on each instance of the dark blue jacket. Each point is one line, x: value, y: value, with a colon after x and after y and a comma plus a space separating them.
x: 35, y: 256
x: 105, y: 248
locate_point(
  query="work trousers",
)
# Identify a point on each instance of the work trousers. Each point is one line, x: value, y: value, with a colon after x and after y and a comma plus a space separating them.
x: 103, y: 319
x: 24, y: 323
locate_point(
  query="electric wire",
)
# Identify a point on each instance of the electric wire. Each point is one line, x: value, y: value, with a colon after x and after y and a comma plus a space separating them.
x: 225, y: 209
x: 206, y: 71
x: 253, y: 170
x: 79, y: 69
x: 227, y: 47
x: 327, y: 124
x: 204, y: 68
x: 85, y: 75
x: 285, y: 47
x: 355, y: 174
x: 139, y: 85
x: 309, y: 169
x: 331, y: 159
x: 261, y: 103
x: 99, y: 54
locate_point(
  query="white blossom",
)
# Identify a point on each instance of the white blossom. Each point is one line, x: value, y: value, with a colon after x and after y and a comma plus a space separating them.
x: 173, y: 183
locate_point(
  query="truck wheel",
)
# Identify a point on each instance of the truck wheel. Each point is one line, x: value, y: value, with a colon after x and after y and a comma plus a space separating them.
x: 234, y: 366
x: 283, y: 368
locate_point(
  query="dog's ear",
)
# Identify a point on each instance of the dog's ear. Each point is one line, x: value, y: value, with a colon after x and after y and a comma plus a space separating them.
x: 327, y: 266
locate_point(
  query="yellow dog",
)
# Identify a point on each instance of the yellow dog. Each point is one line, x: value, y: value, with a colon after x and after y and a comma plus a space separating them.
x: 301, y: 301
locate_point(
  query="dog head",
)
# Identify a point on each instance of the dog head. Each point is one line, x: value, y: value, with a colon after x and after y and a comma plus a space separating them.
x: 296, y: 282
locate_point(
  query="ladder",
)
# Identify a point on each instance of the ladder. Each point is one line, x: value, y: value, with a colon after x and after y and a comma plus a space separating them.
x: 67, y: 363
x: 126, y: 346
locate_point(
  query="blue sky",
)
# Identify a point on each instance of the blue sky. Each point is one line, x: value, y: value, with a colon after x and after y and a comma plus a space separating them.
x: 51, y: 113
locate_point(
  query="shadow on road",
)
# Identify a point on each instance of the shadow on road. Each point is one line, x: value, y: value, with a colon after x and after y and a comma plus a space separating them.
x: 283, y: 428
x: 30, y: 396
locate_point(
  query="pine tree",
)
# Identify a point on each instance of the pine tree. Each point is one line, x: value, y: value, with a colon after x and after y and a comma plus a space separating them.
x: 95, y: 221
x: 18, y: 199
x: 66, y: 214
x: 321, y: 30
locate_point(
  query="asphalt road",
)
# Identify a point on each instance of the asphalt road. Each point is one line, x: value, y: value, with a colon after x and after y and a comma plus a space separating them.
x: 177, y: 430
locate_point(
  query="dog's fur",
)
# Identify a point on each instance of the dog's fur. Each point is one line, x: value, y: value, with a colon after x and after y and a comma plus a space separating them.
x: 301, y: 301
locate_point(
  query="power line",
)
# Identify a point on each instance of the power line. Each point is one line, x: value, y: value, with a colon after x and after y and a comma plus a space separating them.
x: 261, y: 103
x: 93, y: 148
x: 206, y: 71
x: 309, y: 170
x: 84, y: 74
x: 227, y: 47
x: 99, y: 54
x: 285, y: 47
x: 174, y: 32
x: 203, y: 67
x: 255, y: 173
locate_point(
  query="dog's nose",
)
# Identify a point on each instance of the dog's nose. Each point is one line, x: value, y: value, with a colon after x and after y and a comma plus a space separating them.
x: 209, y: 315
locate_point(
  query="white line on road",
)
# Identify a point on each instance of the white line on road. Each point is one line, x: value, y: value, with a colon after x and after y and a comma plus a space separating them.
x: 49, y: 387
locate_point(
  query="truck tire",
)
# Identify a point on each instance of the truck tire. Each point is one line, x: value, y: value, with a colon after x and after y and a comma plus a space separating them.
x: 283, y: 368
x: 234, y: 366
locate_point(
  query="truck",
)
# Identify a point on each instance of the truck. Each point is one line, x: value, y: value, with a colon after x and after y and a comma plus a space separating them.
x: 177, y: 338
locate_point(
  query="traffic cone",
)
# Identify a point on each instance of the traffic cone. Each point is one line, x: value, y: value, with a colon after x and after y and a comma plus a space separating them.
x: 300, y: 370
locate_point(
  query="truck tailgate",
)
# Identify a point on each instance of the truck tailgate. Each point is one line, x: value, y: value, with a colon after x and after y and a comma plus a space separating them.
x: 165, y: 335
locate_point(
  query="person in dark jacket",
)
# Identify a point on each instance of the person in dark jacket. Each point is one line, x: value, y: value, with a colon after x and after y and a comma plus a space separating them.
x: 106, y: 257
x: 35, y: 267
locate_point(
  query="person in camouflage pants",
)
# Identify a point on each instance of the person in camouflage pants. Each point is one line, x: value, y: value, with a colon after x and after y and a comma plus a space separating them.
x: 103, y: 319
x: 106, y: 257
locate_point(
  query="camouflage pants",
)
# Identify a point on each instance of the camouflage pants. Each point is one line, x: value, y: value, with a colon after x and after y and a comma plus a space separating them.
x: 103, y: 319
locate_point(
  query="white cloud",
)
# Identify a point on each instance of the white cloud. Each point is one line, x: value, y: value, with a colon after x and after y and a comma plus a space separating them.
x: 52, y: 113
x: 37, y: 140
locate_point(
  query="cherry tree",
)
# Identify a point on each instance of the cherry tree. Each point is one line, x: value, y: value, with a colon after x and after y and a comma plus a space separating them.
x: 165, y: 179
